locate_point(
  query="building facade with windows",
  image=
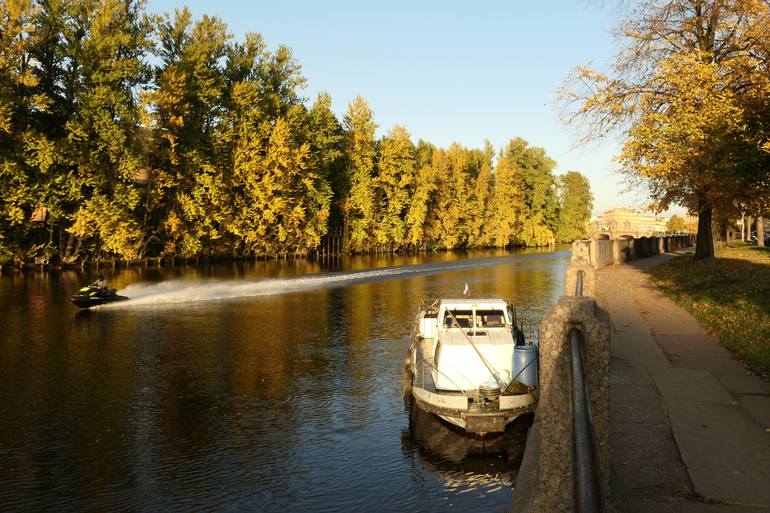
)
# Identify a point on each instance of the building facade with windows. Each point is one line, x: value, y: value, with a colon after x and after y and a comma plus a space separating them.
x: 623, y: 222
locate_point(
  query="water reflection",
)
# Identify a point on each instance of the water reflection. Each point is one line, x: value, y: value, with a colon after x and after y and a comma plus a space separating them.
x: 288, y: 402
x: 465, y: 464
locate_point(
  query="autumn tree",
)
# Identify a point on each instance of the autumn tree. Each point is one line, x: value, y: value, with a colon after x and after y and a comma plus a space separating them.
x: 507, y: 200
x: 393, y: 187
x: 125, y: 134
x: 679, y: 91
x: 360, y: 154
x: 454, y: 172
x: 421, y: 202
x: 17, y: 134
x: 281, y: 204
x: 482, y: 193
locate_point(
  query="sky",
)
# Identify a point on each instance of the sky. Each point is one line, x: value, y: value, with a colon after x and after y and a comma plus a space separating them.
x: 448, y: 71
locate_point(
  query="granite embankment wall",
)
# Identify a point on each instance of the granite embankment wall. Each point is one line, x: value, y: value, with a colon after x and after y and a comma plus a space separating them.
x: 601, y: 253
x: 546, y: 480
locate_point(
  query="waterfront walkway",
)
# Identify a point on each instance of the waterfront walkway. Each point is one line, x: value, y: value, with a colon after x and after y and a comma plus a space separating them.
x: 690, y: 425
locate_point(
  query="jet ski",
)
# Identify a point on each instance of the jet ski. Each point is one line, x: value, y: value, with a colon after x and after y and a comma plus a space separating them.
x: 94, y: 296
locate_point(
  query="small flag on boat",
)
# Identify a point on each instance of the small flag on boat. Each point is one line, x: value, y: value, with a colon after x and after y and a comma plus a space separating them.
x: 467, y: 291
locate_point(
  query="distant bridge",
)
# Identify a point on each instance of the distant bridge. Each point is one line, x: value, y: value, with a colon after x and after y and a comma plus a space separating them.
x: 624, y: 234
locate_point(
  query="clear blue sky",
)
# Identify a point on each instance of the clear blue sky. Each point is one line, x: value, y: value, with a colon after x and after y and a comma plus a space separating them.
x: 446, y: 70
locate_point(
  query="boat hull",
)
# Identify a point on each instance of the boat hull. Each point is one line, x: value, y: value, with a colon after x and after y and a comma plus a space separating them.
x: 88, y: 297
x: 92, y: 302
x: 459, y: 411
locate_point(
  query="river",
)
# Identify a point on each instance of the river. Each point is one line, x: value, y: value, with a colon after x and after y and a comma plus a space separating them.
x: 254, y: 386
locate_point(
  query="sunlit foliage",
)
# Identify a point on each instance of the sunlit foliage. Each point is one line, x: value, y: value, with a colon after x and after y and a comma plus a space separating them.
x: 690, y: 91
x: 125, y: 134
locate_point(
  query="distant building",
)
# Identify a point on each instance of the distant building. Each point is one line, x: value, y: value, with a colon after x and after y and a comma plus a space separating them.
x: 619, y: 223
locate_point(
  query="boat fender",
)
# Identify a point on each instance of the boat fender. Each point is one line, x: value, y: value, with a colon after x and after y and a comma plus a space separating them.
x: 525, y: 364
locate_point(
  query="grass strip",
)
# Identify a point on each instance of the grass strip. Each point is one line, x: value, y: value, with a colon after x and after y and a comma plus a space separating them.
x: 729, y: 295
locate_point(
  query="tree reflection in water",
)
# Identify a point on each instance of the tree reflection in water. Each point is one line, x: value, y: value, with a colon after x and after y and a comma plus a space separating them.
x: 464, y: 463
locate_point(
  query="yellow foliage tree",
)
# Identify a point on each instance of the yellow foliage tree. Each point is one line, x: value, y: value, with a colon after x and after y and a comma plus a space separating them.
x: 684, y: 90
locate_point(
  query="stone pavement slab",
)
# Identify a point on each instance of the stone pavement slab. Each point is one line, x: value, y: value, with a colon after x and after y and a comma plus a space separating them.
x: 726, y: 455
x: 714, y: 411
x: 758, y: 407
x: 692, y: 385
x: 745, y: 383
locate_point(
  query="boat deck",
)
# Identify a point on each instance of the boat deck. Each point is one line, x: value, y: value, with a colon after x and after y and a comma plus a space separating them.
x: 424, y: 374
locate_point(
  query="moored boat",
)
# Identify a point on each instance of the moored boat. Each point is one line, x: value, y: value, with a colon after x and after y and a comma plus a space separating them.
x: 468, y: 363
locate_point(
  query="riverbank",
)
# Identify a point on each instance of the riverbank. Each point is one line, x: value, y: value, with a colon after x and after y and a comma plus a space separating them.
x: 730, y: 297
x: 170, y: 262
x: 688, y: 420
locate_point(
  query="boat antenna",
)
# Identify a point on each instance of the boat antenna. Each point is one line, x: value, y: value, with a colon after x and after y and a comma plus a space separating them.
x: 481, y: 356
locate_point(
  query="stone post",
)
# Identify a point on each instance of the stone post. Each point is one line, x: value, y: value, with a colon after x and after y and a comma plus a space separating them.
x: 589, y: 277
x: 555, y: 479
x: 661, y: 246
x: 580, y: 249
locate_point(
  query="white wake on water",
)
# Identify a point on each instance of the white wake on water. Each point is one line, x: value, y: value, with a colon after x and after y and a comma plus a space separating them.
x: 177, y: 292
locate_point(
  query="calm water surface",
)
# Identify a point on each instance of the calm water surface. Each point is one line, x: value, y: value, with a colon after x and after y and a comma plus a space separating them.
x: 267, y: 386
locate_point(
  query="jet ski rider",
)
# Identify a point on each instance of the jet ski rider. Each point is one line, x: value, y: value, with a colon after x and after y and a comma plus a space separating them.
x: 101, y: 283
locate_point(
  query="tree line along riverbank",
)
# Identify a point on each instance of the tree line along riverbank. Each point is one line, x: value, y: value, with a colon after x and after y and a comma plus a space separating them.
x: 127, y: 135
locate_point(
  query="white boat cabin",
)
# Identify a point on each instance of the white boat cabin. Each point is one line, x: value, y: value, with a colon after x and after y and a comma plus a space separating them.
x: 456, y: 326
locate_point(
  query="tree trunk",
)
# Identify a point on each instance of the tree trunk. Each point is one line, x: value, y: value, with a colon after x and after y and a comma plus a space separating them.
x: 749, y: 222
x: 743, y: 228
x: 760, y: 231
x: 704, y: 240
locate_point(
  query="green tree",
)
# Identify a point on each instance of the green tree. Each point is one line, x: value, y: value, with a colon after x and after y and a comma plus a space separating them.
x: 326, y: 137
x: 539, y: 205
x: 185, y: 109
x: 101, y: 137
x: 676, y: 225
x: 575, y: 205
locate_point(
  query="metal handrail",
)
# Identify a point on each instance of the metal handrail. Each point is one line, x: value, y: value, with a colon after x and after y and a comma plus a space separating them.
x: 587, y: 491
x: 579, y: 284
x: 587, y: 496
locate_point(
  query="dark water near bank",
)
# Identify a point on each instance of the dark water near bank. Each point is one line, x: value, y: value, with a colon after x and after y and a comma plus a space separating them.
x: 248, y: 387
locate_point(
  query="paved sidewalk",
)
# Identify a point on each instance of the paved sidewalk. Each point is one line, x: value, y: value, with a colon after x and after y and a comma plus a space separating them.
x: 689, y: 423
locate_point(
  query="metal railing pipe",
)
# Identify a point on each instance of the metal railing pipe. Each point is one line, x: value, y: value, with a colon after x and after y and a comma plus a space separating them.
x: 579, y: 283
x: 586, y: 490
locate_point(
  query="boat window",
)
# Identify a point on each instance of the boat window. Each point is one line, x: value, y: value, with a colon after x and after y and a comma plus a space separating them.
x: 490, y: 318
x: 462, y: 319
